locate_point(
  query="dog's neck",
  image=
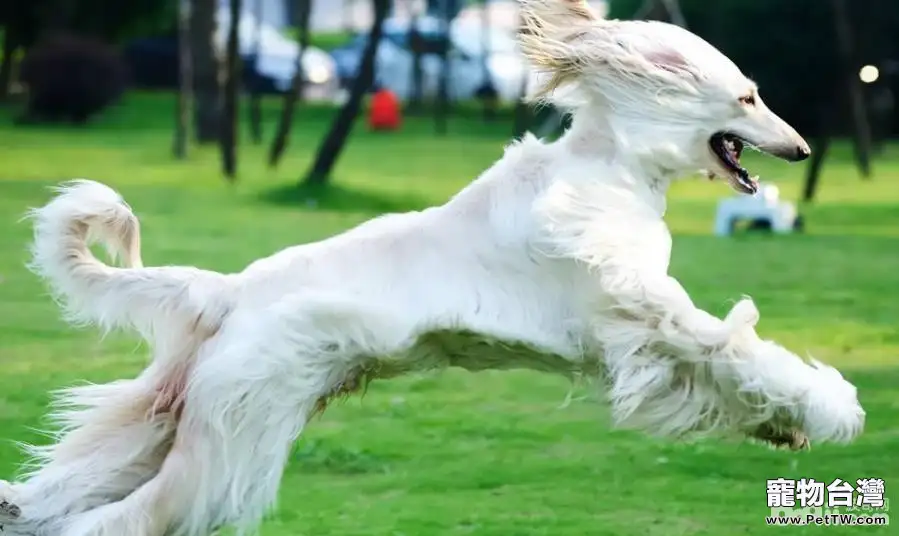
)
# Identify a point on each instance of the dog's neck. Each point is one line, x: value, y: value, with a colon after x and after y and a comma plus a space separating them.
x: 593, y: 135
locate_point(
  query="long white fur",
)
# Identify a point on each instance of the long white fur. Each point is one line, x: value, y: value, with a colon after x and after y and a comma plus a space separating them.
x: 555, y: 259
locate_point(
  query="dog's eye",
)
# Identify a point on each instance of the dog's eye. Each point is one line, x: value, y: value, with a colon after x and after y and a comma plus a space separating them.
x: 748, y: 100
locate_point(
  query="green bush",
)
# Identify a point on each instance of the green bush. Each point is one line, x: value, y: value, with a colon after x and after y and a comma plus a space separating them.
x: 71, y: 78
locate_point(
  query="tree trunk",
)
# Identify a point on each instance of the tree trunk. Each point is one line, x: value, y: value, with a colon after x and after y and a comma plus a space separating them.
x: 348, y: 16
x: 442, y: 109
x: 553, y: 124
x: 523, y: 116
x: 440, y: 8
x: 232, y: 95
x: 662, y: 9
x: 858, y: 111
x: 649, y: 9
x: 675, y: 15
x: 206, y: 71
x: 7, y: 62
x: 416, y: 43
x: 335, y: 140
x: 255, y: 108
x: 821, y: 145
x: 182, y: 117
x: 488, y: 92
x: 285, y: 123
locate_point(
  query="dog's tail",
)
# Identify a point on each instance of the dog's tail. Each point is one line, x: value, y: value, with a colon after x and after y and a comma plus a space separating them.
x: 110, y: 438
x: 151, y: 300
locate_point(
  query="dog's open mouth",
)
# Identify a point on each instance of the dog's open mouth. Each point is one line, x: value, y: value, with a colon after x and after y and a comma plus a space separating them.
x: 727, y: 148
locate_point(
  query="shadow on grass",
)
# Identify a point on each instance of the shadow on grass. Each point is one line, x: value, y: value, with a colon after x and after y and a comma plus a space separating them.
x: 341, y: 199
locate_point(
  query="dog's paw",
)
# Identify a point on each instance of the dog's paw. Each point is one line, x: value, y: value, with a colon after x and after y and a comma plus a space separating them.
x: 744, y: 314
x: 708, y: 330
x: 8, y: 508
x: 800, y: 442
x: 794, y: 440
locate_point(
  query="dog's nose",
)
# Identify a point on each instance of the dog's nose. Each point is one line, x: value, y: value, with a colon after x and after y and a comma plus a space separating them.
x: 793, y: 151
x: 803, y: 151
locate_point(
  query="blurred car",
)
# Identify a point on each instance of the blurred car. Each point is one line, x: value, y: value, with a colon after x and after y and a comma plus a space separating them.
x: 153, y: 61
x: 504, y: 65
x: 276, y: 62
x: 395, y: 35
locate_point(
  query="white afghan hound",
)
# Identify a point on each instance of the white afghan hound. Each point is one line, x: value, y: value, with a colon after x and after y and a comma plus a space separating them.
x: 555, y: 259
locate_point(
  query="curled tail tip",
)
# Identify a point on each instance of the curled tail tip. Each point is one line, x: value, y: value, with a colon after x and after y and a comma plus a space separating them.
x: 85, y: 211
x: 88, y: 189
x: 79, y: 197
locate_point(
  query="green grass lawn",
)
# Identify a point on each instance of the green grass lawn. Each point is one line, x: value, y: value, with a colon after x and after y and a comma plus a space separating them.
x: 457, y: 453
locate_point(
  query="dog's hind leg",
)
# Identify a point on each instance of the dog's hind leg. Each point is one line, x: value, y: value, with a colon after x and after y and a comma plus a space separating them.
x: 111, y: 438
x: 110, y: 444
x: 248, y: 399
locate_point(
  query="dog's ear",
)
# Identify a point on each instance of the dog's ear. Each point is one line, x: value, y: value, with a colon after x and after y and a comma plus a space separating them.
x: 567, y: 40
x: 640, y: 47
x: 669, y: 60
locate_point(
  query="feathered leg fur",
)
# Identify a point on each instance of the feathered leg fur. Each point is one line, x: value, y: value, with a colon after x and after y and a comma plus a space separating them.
x: 254, y: 387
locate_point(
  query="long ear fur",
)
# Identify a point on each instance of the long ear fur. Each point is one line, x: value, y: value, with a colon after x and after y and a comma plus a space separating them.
x: 566, y: 39
x: 548, y: 29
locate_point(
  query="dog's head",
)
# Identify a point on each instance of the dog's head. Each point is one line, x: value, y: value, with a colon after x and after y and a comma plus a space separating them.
x: 665, y: 92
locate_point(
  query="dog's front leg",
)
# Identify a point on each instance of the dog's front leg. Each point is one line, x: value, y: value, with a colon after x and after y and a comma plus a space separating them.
x: 672, y: 368
x: 627, y: 246
x: 680, y: 369
x: 661, y: 301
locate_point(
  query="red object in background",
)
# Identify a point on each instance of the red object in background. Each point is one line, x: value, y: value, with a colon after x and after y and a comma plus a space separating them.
x: 385, y: 111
